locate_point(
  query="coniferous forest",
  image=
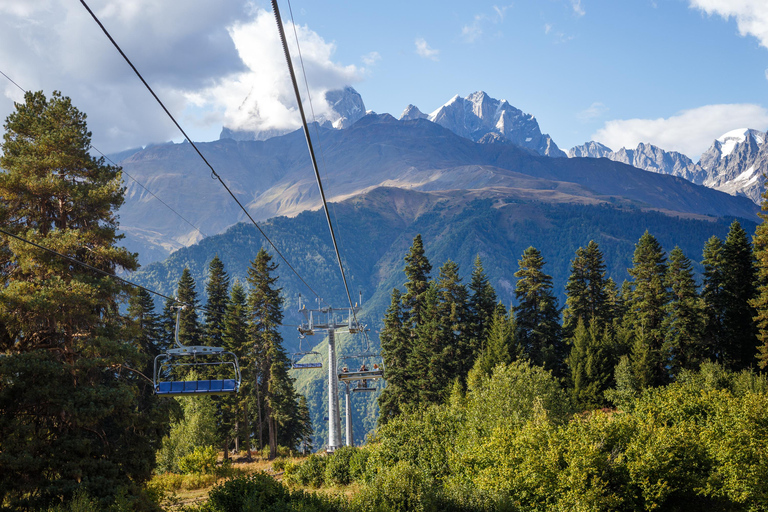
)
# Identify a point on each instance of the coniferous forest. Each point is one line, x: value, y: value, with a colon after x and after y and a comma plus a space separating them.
x: 640, y: 395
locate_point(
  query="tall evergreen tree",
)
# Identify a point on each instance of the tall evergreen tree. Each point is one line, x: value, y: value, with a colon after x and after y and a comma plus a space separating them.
x: 396, y: 346
x: 234, y: 422
x: 713, y: 296
x: 586, y: 290
x: 500, y: 346
x: 417, y: 269
x: 276, y: 396
x: 452, y: 307
x: 590, y: 364
x: 537, y: 315
x: 739, y: 289
x: 69, y: 414
x: 646, y: 311
x: 481, y: 307
x: 189, y: 326
x: 760, y: 301
x: 684, y: 324
x: 217, y: 290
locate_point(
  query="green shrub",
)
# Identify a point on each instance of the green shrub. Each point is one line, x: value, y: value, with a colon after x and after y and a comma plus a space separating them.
x: 253, y: 493
x: 358, y: 464
x: 279, y: 464
x: 337, y: 466
x: 311, y: 472
x: 202, y: 461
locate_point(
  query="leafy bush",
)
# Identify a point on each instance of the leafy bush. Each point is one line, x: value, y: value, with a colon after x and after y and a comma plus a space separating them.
x: 311, y: 472
x: 337, y: 471
x: 358, y: 464
x: 202, y: 461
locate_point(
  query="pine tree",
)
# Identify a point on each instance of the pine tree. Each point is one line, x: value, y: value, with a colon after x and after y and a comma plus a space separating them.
x: 646, y: 311
x: 70, y: 415
x: 713, y: 296
x: 760, y: 301
x: 217, y: 290
x: 537, y: 315
x: 417, y: 269
x: 684, y: 324
x: 586, y: 290
x: 481, y: 307
x: 591, y: 365
x: 739, y: 289
x: 395, y: 351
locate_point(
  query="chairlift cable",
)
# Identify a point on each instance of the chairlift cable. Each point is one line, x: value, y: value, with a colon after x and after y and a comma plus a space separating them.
x: 194, y: 146
x: 278, y: 19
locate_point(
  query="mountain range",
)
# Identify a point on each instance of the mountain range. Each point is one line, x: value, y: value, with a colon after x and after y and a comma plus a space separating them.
x: 273, y: 177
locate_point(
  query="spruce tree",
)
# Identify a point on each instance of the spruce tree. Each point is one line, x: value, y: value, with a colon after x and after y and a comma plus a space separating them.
x: 590, y: 364
x: 217, y: 290
x: 70, y: 413
x: 739, y: 345
x: 234, y: 423
x: 760, y: 301
x: 417, y: 269
x: 586, y: 290
x: 713, y: 296
x: 684, y: 324
x: 189, y: 326
x: 452, y: 307
x: 275, y: 394
x: 481, y: 307
x: 646, y: 311
x: 396, y: 345
x: 500, y: 346
x: 537, y: 315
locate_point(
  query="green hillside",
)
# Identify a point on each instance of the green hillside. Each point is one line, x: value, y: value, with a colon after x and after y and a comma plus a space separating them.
x: 376, y: 229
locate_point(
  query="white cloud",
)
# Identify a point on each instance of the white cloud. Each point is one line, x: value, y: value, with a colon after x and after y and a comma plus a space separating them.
x: 578, y: 10
x: 689, y: 132
x: 213, y: 59
x: 751, y: 15
x: 369, y: 59
x: 471, y: 32
x: 547, y: 28
x: 423, y: 50
x: 594, y: 111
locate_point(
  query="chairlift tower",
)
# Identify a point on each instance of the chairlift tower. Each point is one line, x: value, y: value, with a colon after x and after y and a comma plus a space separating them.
x: 331, y: 321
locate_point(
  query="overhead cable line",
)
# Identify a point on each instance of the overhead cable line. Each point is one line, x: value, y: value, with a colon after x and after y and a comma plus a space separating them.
x: 102, y: 272
x: 278, y: 19
x: 214, y: 174
x: 123, y: 170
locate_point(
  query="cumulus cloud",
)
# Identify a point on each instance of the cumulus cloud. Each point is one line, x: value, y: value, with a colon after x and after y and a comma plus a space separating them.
x: 423, y: 50
x: 751, y: 15
x: 208, y: 65
x: 689, y: 132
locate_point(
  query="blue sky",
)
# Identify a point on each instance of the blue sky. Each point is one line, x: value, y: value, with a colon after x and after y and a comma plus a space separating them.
x: 676, y: 73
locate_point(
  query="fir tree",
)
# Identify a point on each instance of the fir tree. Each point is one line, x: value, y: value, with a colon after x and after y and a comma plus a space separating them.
x: 713, y: 296
x: 70, y: 414
x: 739, y: 345
x: 481, y: 307
x: 417, y: 269
x: 430, y: 364
x: 591, y: 365
x: 189, y: 327
x: 538, y: 328
x: 217, y: 290
x: 586, y: 290
x: 500, y: 346
x: 684, y: 324
x: 646, y: 311
x: 234, y: 423
x: 760, y: 301
x: 395, y: 351
x: 452, y: 307
x: 275, y: 394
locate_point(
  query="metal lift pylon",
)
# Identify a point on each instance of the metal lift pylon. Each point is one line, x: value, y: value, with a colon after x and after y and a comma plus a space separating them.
x: 331, y: 321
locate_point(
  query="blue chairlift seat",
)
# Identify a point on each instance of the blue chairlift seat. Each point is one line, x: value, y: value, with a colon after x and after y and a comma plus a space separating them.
x: 196, y: 387
x: 303, y: 366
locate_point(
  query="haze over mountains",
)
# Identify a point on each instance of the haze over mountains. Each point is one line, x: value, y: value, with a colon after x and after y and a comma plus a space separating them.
x: 475, y: 143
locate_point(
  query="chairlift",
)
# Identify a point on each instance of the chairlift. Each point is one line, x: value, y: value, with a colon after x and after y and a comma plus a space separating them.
x: 314, y: 358
x: 359, y: 368
x: 179, y: 357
